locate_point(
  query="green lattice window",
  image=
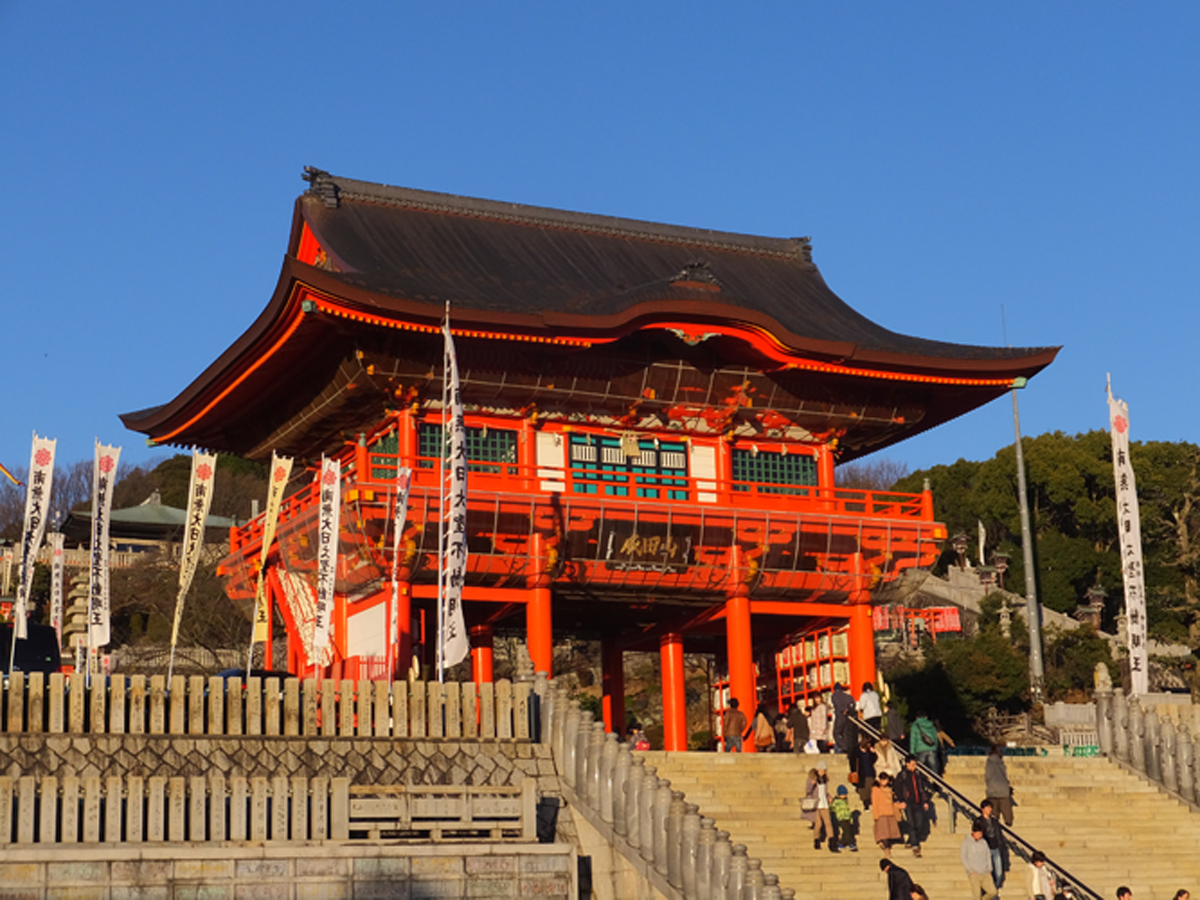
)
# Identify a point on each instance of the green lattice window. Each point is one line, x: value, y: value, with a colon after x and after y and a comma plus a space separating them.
x: 603, y: 464
x: 484, y: 446
x: 769, y: 472
x: 383, y: 468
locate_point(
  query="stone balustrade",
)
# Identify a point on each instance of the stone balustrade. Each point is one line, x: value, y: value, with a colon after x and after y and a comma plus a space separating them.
x: 60, y: 704
x: 677, y: 848
x: 213, y: 808
x: 1153, y: 741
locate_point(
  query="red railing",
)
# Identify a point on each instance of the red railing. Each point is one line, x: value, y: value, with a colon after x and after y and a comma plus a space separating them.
x: 833, y: 541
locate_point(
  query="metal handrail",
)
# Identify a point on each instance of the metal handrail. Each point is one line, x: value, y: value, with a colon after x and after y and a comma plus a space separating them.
x: 958, y: 802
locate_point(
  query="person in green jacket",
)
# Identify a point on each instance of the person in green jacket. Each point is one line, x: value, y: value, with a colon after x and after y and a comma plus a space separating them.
x: 844, y: 824
x: 923, y: 741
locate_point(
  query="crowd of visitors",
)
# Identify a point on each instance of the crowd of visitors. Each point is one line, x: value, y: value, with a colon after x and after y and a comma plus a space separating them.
x: 891, y: 785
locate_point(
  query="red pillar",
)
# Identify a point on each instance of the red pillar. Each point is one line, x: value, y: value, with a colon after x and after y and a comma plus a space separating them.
x: 481, y: 654
x: 825, y: 475
x: 743, y: 683
x: 612, y: 667
x: 862, y: 646
x: 670, y: 649
x: 362, y: 465
x: 539, y: 628
x: 403, y: 648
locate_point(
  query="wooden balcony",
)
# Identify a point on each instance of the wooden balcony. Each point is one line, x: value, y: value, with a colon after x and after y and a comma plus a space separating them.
x: 593, y: 531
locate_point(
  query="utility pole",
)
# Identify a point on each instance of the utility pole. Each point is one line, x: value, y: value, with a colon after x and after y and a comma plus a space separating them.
x: 1033, y: 610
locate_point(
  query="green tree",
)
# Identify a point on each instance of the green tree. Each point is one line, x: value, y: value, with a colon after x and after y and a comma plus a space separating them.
x: 1073, y: 518
x: 1070, y: 659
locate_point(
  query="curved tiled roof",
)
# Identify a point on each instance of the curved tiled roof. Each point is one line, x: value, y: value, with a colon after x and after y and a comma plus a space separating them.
x: 491, y: 257
x: 547, y: 301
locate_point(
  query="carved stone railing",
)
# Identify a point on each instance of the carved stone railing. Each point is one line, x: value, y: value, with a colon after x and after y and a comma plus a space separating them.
x: 59, y: 704
x: 1154, y: 745
x: 679, y: 851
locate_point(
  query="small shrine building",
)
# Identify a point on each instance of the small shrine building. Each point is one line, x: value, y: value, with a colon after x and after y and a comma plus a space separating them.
x: 654, y: 416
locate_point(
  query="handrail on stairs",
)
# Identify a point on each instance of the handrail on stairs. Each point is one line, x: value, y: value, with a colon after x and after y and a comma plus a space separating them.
x: 959, y: 804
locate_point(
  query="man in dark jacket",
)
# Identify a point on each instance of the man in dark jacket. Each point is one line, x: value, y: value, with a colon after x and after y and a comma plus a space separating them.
x: 845, y: 736
x: 912, y: 796
x: 899, y: 882
x: 893, y: 724
x: 797, y: 723
x: 994, y: 838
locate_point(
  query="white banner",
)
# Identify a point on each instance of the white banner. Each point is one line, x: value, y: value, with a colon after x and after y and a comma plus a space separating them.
x: 200, y: 494
x: 104, y: 476
x: 327, y: 552
x: 1130, y: 530
x: 399, y: 516
x: 281, y: 471
x: 37, y: 507
x: 56, y: 584
x: 453, y: 645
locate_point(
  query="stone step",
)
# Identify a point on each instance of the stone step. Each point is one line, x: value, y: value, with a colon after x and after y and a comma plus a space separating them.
x: 1095, y: 819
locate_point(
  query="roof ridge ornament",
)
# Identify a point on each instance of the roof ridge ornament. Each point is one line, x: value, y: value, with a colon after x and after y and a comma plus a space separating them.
x: 696, y: 271
x: 323, y: 185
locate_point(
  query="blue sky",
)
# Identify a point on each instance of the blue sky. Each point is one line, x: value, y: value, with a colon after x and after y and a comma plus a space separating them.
x: 980, y: 173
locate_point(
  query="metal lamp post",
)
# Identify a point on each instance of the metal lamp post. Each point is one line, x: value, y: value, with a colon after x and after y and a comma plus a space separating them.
x: 1033, y: 608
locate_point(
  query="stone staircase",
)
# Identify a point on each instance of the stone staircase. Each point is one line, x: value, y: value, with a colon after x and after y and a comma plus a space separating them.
x: 1106, y: 826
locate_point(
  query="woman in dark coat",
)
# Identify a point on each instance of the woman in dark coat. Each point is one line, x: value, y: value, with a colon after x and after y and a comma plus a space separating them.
x: 864, y: 767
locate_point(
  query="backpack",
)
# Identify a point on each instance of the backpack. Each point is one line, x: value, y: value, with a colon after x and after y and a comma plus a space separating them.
x: 764, y: 734
x: 923, y: 736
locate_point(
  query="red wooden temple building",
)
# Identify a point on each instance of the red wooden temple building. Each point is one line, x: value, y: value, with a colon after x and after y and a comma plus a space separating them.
x: 654, y: 416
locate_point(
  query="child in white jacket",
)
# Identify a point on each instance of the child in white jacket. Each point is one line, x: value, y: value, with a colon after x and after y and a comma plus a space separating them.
x: 1041, y: 879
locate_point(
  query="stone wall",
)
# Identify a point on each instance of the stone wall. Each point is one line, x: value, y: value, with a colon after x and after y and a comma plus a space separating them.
x: 363, y: 760
x: 316, y: 871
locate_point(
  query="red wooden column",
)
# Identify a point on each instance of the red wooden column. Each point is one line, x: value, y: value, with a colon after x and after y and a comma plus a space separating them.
x: 612, y: 667
x: 670, y: 649
x: 862, y: 644
x: 403, y: 648
x: 481, y: 654
x: 743, y: 683
x: 362, y: 464
x: 539, y: 627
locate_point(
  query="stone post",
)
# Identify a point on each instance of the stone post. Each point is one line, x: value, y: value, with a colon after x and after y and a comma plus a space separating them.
x: 1104, y: 719
x: 633, y: 791
x: 566, y: 762
x: 537, y: 708
x: 1153, y: 747
x: 660, y: 811
x: 1121, y: 725
x: 583, y: 740
x: 753, y: 888
x: 690, y: 849
x: 738, y: 866
x: 561, y: 707
x: 549, y: 707
x: 608, y: 762
x: 674, y: 844
x: 705, y: 845
x: 595, y: 750
x: 722, y: 860
x: 1187, y: 783
x: 771, y: 890
x: 1168, y: 755
x: 646, y: 813
x: 1137, y: 735
x: 616, y: 787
